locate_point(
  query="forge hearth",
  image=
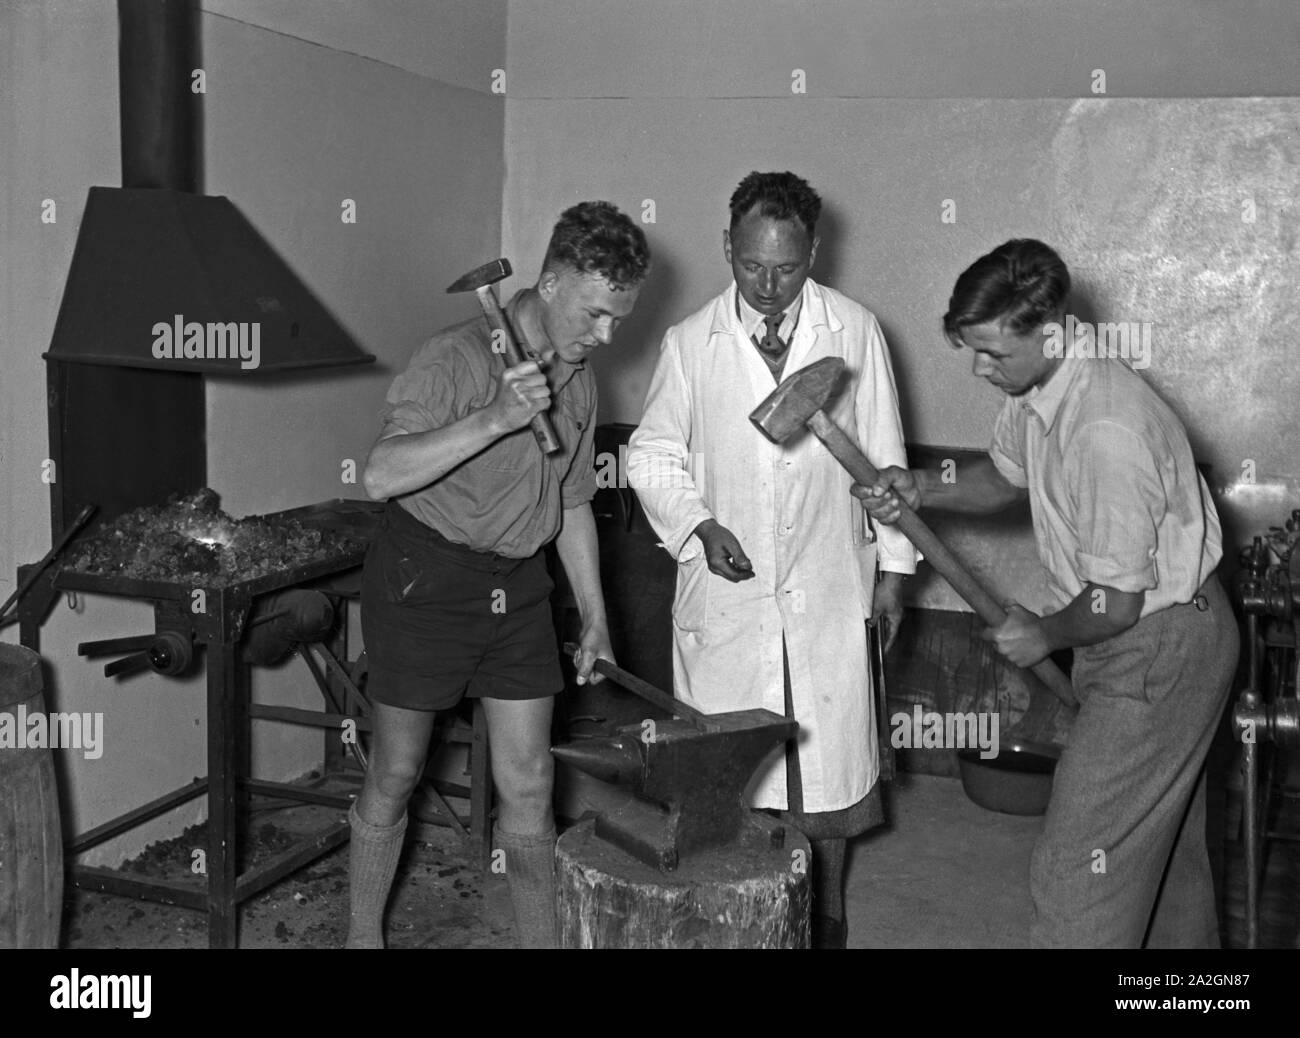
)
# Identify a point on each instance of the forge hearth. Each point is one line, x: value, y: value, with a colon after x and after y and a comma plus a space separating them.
x: 190, y: 540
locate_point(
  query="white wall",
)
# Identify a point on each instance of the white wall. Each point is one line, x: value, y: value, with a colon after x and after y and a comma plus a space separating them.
x: 988, y: 105
x: 900, y: 48
x: 456, y: 42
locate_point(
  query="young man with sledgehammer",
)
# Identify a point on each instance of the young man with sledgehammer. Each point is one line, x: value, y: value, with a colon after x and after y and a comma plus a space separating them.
x: 455, y: 593
x: 1130, y: 539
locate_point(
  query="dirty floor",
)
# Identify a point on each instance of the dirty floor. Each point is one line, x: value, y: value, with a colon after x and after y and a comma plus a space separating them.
x: 945, y: 874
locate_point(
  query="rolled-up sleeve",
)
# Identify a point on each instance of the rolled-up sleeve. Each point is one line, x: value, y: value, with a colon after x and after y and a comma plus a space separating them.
x: 1120, y: 504
x: 1007, y: 449
x: 423, y: 397
x: 657, y: 457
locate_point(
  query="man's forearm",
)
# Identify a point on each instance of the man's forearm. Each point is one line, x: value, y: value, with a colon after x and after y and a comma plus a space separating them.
x: 579, y: 552
x: 975, y: 488
x: 667, y: 494
x: 702, y: 528
x: 408, y: 462
x: 1097, y: 613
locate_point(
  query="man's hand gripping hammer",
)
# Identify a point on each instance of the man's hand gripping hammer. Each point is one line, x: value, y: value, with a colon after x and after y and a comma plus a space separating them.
x: 480, y: 282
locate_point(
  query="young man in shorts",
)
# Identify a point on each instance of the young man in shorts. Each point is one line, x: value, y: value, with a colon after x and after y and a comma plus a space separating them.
x: 455, y: 593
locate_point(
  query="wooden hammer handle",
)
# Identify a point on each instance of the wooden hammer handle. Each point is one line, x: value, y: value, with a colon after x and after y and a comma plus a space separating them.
x: 936, y: 552
x: 645, y: 690
x: 543, y: 430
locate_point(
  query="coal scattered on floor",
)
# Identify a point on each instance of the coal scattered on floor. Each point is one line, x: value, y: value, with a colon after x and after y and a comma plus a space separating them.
x: 440, y: 898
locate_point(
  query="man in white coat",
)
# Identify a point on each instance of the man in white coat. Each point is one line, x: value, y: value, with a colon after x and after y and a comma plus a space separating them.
x: 777, y: 566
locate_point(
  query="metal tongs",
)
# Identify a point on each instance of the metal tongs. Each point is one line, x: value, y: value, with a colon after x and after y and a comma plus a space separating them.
x: 74, y: 528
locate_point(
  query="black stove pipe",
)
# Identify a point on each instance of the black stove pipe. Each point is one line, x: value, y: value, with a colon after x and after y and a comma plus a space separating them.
x: 158, y: 51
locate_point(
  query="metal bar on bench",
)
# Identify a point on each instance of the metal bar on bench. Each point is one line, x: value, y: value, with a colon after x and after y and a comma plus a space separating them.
x: 304, y: 650
x: 261, y: 877
x: 296, y: 715
x: 163, y: 891
x: 323, y: 683
x: 224, y: 738
x: 123, y: 823
x: 353, y: 694
x: 283, y: 790
x: 480, y: 801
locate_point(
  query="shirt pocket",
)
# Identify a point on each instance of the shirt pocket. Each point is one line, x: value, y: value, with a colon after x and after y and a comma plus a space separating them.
x: 570, y: 417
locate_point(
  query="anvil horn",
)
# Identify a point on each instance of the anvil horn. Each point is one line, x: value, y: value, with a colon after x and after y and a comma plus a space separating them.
x: 615, y: 759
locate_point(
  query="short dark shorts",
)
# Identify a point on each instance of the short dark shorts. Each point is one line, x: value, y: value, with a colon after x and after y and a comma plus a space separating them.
x: 442, y: 621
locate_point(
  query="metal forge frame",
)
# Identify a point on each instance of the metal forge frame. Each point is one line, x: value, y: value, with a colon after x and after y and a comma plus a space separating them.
x: 229, y: 712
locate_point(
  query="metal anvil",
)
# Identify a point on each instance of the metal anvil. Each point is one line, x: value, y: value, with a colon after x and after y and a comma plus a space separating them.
x: 687, y: 776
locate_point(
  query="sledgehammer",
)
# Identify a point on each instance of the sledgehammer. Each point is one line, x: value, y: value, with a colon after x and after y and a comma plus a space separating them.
x: 480, y: 282
x: 797, y: 402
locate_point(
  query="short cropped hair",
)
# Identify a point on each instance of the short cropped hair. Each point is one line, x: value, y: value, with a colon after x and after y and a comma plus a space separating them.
x: 779, y: 196
x: 1021, y: 284
x: 597, y: 238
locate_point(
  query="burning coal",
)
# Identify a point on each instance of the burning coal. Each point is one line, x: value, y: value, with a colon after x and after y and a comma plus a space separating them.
x: 192, y: 539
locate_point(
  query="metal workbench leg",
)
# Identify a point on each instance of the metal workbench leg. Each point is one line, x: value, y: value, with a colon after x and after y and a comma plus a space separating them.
x: 224, y: 673
x: 338, y: 646
x: 1251, y: 838
x: 480, y: 788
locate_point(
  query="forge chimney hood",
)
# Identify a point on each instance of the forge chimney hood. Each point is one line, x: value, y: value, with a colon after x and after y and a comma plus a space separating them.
x: 164, y: 276
x: 167, y: 287
x: 175, y: 280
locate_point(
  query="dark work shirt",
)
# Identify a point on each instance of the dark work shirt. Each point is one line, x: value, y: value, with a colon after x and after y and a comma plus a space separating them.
x: 509, y: 498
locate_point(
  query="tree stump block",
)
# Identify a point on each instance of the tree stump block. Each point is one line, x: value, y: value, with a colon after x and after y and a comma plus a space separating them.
x: 730, y: 897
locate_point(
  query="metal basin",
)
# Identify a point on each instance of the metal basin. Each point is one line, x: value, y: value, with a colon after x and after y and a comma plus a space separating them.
x: 1018, y: 781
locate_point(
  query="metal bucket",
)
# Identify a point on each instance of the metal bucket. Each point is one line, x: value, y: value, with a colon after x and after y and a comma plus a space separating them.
x: 1018, y: 781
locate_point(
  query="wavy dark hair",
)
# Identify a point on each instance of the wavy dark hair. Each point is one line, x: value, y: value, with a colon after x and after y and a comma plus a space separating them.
x: 779, y: 196
x: 1021, y: 284
x: 598, y: 238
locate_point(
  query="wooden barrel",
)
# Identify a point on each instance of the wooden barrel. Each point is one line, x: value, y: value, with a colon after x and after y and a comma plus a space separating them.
x: 726, y: 898
x: 31, y: 842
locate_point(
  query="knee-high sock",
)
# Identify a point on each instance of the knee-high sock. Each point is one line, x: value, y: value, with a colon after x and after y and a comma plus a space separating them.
x: 828, y: 878
x: 530, y: 872
x: 372, y: 862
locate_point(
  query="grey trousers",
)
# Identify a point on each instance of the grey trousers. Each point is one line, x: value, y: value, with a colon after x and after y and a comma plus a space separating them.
x: 1123, y: 848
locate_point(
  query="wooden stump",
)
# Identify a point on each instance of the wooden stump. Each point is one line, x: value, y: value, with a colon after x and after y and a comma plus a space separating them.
x: 31, y: 843
x: 727, y: 898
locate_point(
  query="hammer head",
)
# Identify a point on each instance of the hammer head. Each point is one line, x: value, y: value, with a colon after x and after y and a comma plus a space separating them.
x: 797, y: 399
x: 481, y: 277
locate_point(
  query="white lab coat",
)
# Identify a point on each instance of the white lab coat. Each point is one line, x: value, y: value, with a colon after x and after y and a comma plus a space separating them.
x: 696, y: 456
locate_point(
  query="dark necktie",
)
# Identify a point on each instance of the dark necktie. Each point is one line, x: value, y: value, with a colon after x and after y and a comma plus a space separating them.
x: 771, y: 343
